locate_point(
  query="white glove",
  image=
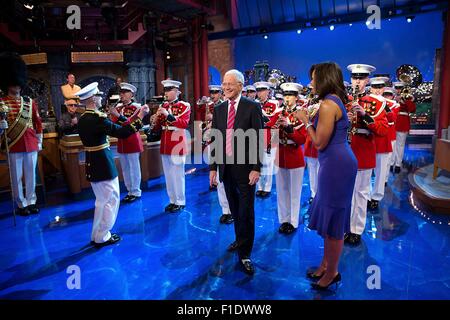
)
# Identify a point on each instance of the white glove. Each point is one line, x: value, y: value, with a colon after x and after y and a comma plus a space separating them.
x: 39, y: 136
x: 3, y: 124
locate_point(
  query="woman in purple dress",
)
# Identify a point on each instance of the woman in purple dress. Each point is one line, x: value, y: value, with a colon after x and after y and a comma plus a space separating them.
x: 331, y: 208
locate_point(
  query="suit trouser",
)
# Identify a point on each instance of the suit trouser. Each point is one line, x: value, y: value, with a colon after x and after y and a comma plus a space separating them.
x: 241, y: 198
x: 107, y: 202
x: 400, y: 148
x: 131, y: 170
x: 265, y: 180
x: 380, y: 176
x: 391, y: 159
x: 24, y: 162
x: 359, y: 201
x: 173, y: 167
x: 221, y: 194
x: 289, y: 190
x: 313, y: 172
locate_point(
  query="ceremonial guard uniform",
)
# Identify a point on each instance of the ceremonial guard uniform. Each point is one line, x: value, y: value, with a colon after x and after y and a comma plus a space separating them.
x: 101, y: 172
x: 394, y: 106
x: 24, y: 132
x: 251, y: 92
x: 174, y: 118
x: 383, y: 146
x: 290, y: 161
x: 362, y: 139
x: 130, y: 148
x: 402, y: 125
x: 269, y: 109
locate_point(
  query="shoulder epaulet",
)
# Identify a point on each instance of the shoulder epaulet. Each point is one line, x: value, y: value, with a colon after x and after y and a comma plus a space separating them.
x: 187, y: 104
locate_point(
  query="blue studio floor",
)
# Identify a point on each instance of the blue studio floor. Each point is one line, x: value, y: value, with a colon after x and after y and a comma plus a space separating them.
x: 183, y: 256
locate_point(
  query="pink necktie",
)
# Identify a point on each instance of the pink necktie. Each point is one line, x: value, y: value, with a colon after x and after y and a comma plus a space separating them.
x: 230, y: 125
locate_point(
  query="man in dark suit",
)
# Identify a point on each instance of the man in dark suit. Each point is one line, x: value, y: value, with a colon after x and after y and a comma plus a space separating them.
x: 236, y: 156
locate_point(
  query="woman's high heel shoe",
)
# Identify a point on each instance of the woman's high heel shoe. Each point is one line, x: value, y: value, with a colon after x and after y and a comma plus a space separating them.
x: 311, y: 274
x: 336, y: 279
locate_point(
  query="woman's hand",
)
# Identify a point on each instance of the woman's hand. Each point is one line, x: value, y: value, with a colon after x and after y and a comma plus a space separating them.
x: 302, y: 116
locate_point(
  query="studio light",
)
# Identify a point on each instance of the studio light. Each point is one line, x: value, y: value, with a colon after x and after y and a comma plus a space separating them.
x: 299, y: 31
x: 266, y: 37
x: 409, y: 19
x: 331, y: 27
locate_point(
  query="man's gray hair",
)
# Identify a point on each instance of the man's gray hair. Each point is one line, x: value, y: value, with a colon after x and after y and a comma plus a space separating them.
x: 238, y: 75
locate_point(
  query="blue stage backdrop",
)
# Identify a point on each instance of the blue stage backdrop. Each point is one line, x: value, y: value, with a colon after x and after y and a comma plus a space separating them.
x: 396, y: 43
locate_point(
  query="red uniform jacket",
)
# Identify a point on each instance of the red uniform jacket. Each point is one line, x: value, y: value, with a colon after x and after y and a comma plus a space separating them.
x: 29, y: 140
x: 173, y: 137
x: 269, y: 109
x: 383, y: 143
x: 392, y: 117
x: 290, y: 153
x: 403, y: 121
x: 373, y: 123
x: 310, y: 150
x: 133, y: 143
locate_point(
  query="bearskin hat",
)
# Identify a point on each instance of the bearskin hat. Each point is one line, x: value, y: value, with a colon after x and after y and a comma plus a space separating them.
x: 13, y: 71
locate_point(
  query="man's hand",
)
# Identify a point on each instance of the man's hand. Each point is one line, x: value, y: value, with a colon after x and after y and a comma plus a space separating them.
x: 359, y: 110
x: 143, y: 111
x: 163, y: 111
x: 74, y: 121
x: 253, y: 177
x: 114, y: 112
x: 212, y: 178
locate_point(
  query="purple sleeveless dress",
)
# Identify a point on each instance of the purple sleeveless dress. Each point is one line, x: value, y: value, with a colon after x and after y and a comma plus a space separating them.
x: 331, y: 208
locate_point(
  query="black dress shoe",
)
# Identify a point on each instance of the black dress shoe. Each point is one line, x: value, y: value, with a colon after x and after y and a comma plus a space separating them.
x: 247, y: 266
x: 258, y: 193
x: 335, y: 280
x: 290, y: 228
x: 127, y: 198
x: 23, y: 211
x: 176, y: 208
x: 374, y: 205
x: 133, y: 198
x: 397, y: 169
x: 310, y: 200
x: 391, y: 168
x: 114, y: 239
x: 33, y: 209
x: 213, y: 188
x: 233, y: 246
x: 226, y: 219
x: 283, y: 227
x: 169, y: 207
x: 353, y: 239
x: 265, y: 194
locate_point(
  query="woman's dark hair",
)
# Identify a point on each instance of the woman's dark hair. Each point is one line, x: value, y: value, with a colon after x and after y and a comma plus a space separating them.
x: 328, y: 79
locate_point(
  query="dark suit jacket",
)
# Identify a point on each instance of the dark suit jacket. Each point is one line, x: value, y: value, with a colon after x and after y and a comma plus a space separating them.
x: 248, y: 116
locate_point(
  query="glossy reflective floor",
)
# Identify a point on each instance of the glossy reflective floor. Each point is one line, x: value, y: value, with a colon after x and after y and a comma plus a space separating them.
x: 183, y: 256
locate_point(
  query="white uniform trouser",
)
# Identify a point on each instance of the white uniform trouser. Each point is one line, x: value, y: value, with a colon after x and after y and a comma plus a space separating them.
x: 391, y: 159
x: 173, y: 166
x: 400, y: 148
x: 289, y: 189
x: 359, y: 202
x: 131, y: 170
x: 107, y: 201
x: 313, y: 171
x: 24, y: 162
x: 221, y: 194
x: 380, y: 176
x: 265, y: 180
